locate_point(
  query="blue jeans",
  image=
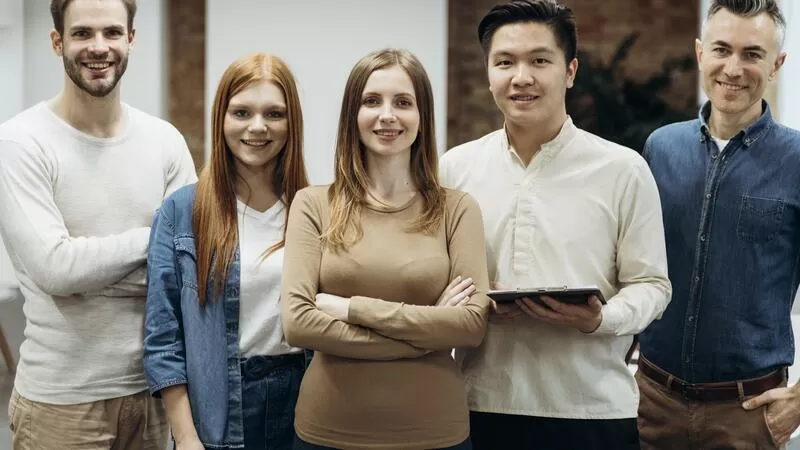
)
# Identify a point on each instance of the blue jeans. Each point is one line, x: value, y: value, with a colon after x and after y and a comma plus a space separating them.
x: 270, y: 385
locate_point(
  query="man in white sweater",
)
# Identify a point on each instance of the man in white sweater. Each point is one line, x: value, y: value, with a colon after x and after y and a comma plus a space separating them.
x: 81, y: 176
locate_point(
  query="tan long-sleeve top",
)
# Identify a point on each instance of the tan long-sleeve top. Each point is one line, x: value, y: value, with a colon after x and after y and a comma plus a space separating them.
x: 387, y: 379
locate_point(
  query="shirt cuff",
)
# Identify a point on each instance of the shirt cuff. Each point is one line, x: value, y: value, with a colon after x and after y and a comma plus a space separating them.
x: 357, y: 310
x: 612, y: 320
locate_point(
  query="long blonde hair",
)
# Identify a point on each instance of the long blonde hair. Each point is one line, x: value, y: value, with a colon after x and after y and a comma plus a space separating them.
x: 349, y: 189
x: 214, y: 214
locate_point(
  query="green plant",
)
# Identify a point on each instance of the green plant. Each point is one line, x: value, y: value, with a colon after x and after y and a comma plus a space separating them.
x: 604, y: 101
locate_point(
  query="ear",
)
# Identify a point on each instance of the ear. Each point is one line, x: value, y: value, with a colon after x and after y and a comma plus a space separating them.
x: 778, y: 64
x: 131, y: 38
x: 56, y: 42
x: 698, y: 51
x: 572, y: 70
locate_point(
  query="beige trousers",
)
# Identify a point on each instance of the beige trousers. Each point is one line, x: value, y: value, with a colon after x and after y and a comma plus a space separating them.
x: 135, y: 422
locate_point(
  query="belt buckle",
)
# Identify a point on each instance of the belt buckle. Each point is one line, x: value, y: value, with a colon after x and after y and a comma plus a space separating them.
x: 691, y: 392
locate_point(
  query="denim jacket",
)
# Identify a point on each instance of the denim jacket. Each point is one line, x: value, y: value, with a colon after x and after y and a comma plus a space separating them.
x: 184, y: 341
x: 732, y: 227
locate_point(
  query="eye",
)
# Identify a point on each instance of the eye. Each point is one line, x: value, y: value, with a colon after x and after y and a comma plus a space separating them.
x: 240, y: 113
x: 404, y: 103
x: 114, y: 33
x: 720, y: 51
x: 753, y: 55
x: 541, y: 61
x: 80, y: 34
x: 502, y: 63
x: 276, y: 115
x: 371, y: 101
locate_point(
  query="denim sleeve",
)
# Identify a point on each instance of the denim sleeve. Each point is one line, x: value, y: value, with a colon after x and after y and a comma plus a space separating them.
x: 164, y: 351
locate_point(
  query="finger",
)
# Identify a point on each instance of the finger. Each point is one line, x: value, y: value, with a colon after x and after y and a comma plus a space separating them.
x: 761, y: 400
x: 595, y: 305
x: 466, y: 295
x: 544, y: 313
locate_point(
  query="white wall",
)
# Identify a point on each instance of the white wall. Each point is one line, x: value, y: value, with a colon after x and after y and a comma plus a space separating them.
x: 144, y: 83
x: 788, y: 94
x: 321, y: 41
x: 11, y: 78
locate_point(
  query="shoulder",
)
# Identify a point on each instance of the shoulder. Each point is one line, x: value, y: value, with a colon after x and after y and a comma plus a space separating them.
x: 179, y: 203
x: 458, y: 202
x: 467, y: 151
x: 667, y: 135
x: 22, y: 128
x: 610, y: 152
x: 152, y: 125
x: 311, y: 198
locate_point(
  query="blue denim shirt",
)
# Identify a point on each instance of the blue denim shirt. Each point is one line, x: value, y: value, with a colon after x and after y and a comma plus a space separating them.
x: 184, y: 341
x: 732, y: 226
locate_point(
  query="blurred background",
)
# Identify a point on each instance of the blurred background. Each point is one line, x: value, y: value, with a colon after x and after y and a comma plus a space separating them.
x: 637, y: 71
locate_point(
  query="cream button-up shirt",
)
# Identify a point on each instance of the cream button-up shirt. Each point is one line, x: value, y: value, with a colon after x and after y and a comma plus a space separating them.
x: 584, y: 212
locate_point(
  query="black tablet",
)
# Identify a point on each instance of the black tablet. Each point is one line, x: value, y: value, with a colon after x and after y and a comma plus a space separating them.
x: 574, y: 296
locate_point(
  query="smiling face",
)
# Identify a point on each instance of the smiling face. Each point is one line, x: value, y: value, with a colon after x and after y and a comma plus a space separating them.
x: 528, y: 74
x: 738, y: 57
x: 388, y: 119
x: 95, y: 44
x: 256, y: 125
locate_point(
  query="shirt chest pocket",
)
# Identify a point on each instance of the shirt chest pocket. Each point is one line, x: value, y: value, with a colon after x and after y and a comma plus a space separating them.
x: 759, y: 218
x: 186, y: 261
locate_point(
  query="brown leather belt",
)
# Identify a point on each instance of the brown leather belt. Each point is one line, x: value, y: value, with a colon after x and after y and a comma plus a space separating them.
x: 713, y: 392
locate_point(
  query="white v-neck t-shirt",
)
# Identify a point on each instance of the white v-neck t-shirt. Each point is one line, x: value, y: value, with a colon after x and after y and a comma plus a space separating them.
x: 260, y: 329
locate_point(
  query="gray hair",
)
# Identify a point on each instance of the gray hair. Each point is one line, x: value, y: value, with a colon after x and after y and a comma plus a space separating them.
x: 750, y: 8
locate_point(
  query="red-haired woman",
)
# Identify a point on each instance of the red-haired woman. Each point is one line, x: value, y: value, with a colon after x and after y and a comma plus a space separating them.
x: 214, y: 345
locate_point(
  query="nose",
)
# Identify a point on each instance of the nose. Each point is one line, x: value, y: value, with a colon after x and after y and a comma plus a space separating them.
x: 257, y: 124
x: 387, y: 113
x: 733, y: 67
x: 522, y: 76
x: 99, y: 44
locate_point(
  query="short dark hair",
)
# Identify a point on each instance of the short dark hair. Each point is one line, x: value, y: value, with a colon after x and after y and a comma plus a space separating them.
x: 59, y: 7
x: 558, y: 17
x: 751, y: 8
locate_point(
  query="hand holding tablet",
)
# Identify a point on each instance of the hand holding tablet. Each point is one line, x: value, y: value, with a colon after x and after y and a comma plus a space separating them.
x: 564, y: 294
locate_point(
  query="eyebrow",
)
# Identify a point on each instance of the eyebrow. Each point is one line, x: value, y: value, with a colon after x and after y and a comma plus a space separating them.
x: 749, y: 48
x: 75, y: 28
x: 248, y: 105
x: 409, y: 94
x: 532, y: 51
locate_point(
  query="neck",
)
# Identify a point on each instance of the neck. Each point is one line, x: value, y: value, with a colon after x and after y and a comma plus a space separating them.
x: 100, y: 117
x: 256, y: 186
x: 527, y: 139
x: 725, y: 126
x: 390, y: 178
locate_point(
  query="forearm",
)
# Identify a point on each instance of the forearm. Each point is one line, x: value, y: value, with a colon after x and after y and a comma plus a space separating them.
x: 133, y: 285
x: 305, y: 326
x: 429, y: 327
x: 635, y: 307
x: 179, y: 413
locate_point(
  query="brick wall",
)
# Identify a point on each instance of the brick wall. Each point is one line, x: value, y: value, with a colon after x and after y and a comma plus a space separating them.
x: 667, y: 30
x: 186, y: 57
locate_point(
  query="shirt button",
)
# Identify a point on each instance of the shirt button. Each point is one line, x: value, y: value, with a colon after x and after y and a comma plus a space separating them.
x: 713, y: 156
x: 687, y: 360
x: 696, y: 279
x: 702, y: 238
x: 691, y: 318
x: 708, y: 195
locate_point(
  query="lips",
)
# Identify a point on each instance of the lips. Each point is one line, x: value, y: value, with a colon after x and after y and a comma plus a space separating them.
x: 255, y: 142
x: 523, y: 97
x: 103, y: 65
x: 731, y: 87
x: 388, y: 133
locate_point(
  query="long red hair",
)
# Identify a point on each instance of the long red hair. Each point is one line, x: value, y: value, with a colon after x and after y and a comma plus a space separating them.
x: 214, y: 214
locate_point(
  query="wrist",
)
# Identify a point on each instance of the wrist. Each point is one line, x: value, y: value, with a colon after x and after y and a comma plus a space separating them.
x: 593, y: 325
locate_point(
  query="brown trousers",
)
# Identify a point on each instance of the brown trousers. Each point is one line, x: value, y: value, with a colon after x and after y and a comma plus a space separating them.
x: 668, y: 422
x: 135, y: 422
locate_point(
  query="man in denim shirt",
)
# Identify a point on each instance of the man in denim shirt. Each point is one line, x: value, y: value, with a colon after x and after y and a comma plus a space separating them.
x: 730, y: 190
